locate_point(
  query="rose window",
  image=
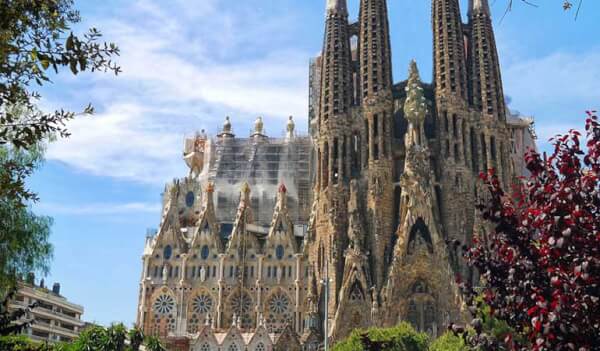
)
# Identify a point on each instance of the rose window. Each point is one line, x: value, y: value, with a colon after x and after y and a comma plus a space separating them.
x: 164, y: 304
x: 279, y: 313
x: 241, y: 306
x: 279, y: 304
x: 241, y: 303
x: 202, y: 304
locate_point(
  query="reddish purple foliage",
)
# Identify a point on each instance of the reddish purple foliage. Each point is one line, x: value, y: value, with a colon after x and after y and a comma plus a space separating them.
x: 541, y: 264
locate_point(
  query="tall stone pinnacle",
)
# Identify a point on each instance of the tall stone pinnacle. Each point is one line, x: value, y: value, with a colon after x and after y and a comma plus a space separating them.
x: 476, y: 6
x: 337, y: 6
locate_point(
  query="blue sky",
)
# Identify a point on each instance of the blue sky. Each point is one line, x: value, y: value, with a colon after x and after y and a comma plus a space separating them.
x: 188, y: 64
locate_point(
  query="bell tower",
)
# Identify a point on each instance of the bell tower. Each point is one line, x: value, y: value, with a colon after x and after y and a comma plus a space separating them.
x: 377, y: 110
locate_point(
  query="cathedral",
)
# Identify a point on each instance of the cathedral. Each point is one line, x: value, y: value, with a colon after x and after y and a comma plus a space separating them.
x: 274, y: 243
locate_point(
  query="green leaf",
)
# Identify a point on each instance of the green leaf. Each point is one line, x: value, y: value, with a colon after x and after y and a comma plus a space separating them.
x: 73, y: 66
x: 70, y: 42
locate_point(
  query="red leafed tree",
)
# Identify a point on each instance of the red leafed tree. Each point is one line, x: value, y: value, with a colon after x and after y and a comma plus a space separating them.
x: 540, y: 267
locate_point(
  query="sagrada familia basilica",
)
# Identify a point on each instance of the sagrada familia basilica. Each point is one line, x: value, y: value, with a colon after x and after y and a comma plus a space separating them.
x: 274, y: 243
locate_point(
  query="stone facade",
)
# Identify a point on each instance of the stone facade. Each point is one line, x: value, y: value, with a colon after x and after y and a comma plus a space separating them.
x: 373, y: 201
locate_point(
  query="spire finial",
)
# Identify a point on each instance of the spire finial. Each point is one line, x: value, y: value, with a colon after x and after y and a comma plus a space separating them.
x: 245, y: 188
x: 259, y: 126
x: 337, y: 7
x: 210, y: 188
x: 415, y: 108
x: 291, y: 126
x: 227, y: 125
x: 479, y: 6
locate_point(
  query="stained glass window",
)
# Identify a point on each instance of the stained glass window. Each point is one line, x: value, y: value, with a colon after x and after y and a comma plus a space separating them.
x: 202, y: 304
x: 279, y: 252
x: 204, y: 252
x: 189, y: 199
x: 164, y: 304
x: 168, y: 252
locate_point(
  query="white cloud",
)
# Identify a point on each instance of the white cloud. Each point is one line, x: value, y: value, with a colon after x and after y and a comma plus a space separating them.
x: 557, y: 89
x: 185, y: 66
x: 99, y: 208
x: 556, y: 79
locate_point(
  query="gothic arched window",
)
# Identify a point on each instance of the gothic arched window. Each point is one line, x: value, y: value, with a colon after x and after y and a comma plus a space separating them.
x: 241, y: 306
x: 419, y: 237
x: 413, y: 315
x: 279, y: 312
x: 356, y: 292
x: 189, y: 199
x: 279, y: 252
x: 261, y: 347
x: 205, y: 347
x: 168, y: 252
x: 204, y: 252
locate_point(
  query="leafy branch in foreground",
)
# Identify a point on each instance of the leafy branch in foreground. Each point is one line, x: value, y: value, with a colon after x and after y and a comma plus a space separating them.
x: 541, y: 265
x: 35, y: 40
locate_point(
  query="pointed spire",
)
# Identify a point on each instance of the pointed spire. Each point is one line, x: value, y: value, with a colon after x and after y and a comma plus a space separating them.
x: 375, y: 52
x: 450, y: 68
x: 415, y: 106
x: 245, y: 193
x: 479, y: 6
x: 210, y: 189
x: 282, y: 196
x: 336, y: 58
x: 337, y: 7
x: 486, y: 92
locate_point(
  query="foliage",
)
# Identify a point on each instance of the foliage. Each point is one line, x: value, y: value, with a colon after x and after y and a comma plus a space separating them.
x: 400, y: 338
x: 96, y: 338
x: 541, y: 265
x: 35, y: 42
x: 22, y: 343
x: 34, y: 38
x: 23, y: 235
x: 13, y: 322
x: 448, y: 342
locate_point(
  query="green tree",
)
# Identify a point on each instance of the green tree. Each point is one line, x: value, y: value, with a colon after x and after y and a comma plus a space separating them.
x: 35, y: 42
x: 35, y: 37
x: 448, y: 342
x: 400, y: 338
x: 24, y: 236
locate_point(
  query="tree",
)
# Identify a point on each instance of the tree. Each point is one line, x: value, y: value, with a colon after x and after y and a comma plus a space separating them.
x: 400, y: 338
x: 541, y: 265
x: 96, y: 338
x: 448, y: 342
x: 35, y: 40
x: 24, y: 236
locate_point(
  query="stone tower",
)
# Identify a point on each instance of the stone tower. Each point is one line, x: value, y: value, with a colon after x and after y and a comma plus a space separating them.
x: 377, y: 111
x: 332, y: 143
x: 485, y: 93
x: 390, y: 169
x: 452, y: 118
